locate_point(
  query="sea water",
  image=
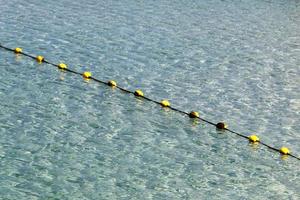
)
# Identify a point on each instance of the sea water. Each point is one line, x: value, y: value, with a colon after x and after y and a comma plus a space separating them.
x: 65, y: 138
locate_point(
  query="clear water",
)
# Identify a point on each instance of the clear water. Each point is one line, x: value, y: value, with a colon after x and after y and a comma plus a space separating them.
x: 63, y: 138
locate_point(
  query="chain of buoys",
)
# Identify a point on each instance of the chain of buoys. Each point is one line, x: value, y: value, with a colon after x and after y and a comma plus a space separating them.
x: 222, y: 126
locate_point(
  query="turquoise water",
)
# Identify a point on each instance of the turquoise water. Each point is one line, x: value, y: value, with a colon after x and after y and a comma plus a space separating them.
x: 64, y: 138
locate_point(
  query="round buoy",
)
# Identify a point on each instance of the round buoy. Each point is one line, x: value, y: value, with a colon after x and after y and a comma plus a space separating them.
x: 139, y: 93
x: 40, y: 59
x: 284, y: 150
x: 18, y: 50
x: 165, y: 103
x: 87, y: 74
x: 112, y: 83
x: 62, y: 66
x: 221, y: 125
x: 193, y: 114
x: 253, y: 138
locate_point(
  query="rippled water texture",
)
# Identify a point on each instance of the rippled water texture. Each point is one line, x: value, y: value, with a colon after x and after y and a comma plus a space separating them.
x: 64, y: 138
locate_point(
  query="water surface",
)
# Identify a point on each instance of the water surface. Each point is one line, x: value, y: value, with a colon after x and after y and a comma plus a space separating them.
x: 64, y: 138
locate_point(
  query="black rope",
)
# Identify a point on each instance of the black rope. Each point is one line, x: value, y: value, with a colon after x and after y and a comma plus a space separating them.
x: 151, y: 100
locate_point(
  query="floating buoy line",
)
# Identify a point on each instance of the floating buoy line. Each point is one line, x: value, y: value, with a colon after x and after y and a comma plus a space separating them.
x: 254, y: 139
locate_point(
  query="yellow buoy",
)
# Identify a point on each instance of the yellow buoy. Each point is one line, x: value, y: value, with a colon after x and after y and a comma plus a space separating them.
x: 284, y: 150
x: 253, y: 138
x: 193, y: 114
x: 87, y: 74
x: 62, y: 66
x: 221, y: 125
x: 18, y: 50
x: 112, y: 83
x: 40, y: 59
x: 139, y: 93
x: 165, y: 103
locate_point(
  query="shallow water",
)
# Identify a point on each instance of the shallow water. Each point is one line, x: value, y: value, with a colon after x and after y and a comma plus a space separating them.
x: 63, y: 138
